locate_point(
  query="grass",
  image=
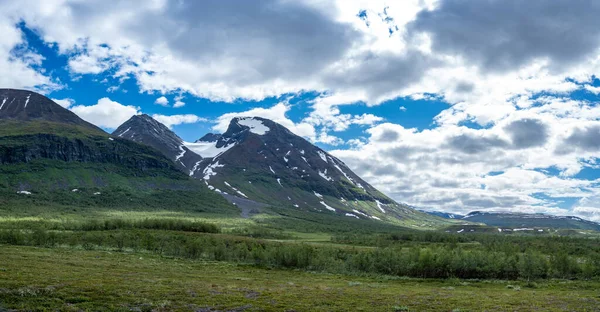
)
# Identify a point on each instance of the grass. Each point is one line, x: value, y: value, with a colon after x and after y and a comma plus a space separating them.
x: 76, y: 280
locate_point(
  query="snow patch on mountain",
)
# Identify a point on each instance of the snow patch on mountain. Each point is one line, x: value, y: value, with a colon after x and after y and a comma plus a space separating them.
x: 196, y: 165
x: 208, y: 149
x: 235, y: 189
x: 352, y: 215
x: 122, y: 133
x: 379, y: 205
x: 209, y: 171
x: 327, y: 206
x: 360, y: 213
x: 324, y: 175
x: 182, y: 150
x: 256, y: 126
x: 27, y: 100
x: 322, y: 155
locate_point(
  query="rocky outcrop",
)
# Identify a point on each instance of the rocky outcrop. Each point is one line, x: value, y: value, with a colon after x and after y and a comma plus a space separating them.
x: 27, y: 148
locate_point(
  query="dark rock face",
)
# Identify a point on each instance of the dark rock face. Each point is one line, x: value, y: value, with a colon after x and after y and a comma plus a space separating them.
x: 146, y: 130
x: 30, y: 106
x: 294, y: 160
x: 32, y: 147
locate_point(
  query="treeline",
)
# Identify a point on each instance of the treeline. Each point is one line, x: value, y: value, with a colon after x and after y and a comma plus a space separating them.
x: 433, y: 261
x: 510, y: 244
x: 116, y: 224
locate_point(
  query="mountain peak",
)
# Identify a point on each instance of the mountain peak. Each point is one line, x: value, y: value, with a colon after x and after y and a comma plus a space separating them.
x: 261, y: 160
x: 209, y: 137
x: 256, y: 125
x: 23, y: 105
x: 147, y: 130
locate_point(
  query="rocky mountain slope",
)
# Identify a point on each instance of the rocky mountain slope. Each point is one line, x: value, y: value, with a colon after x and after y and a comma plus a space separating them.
x: 146, y: 130
x: 22, y: 105
x: 261, y: 160
x: 48, y: 155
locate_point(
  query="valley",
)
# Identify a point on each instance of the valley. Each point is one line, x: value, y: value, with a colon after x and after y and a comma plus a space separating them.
x: 254, y: 219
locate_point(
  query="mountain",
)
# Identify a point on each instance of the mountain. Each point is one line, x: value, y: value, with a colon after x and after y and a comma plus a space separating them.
x: 261, y: 160
x: 209, y: 137
x: 146, y: 130
x: 49, y: 156
x: 21, y: 105
x: 525, y: 222
x: 445, y: 215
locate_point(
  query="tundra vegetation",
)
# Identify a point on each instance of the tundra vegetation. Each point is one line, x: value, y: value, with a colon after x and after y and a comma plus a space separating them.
x: 208, y: 259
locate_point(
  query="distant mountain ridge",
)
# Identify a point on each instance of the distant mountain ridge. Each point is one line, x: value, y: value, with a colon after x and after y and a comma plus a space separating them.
x: 525, y: 220
x: 445, y: 215
x: 521, y: 221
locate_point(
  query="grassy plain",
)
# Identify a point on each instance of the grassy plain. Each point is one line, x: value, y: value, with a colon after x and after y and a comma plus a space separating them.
x: 143, y: 254
x: 42, y: 279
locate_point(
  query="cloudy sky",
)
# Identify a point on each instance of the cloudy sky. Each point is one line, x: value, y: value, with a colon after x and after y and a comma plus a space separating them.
x: 454, y: 105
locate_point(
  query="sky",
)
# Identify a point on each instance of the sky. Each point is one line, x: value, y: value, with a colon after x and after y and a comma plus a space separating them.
x: 450, y: 105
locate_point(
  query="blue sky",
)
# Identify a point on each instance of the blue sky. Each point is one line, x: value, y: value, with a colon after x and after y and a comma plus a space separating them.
x: 414, y: 95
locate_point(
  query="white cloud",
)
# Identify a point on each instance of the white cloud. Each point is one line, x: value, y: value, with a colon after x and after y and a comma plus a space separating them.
x: 175, y: 120
x: 17, y: 61
x: 162, y: 101
x: 106, y: 113
x: 326, y: 114
x: 179, y: 102
x: 592, y: 89
x: 503, y: 167
x: 66, y: 103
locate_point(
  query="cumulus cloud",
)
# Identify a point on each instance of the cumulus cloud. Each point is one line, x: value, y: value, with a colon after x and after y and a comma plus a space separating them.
x: 505, y: 166
x: 106, y: 113
x: 582, y: 139
x: 17, y: 62
x: 473, y: 143
x: 503, y: 35
x: 179, y: 102
x: 162, y: 101
x: 175, y: 120
x: 526, y: 133
x: 66, y: 103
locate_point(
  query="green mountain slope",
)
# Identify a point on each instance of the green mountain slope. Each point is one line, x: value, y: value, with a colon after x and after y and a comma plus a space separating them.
x: 51, y: 158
